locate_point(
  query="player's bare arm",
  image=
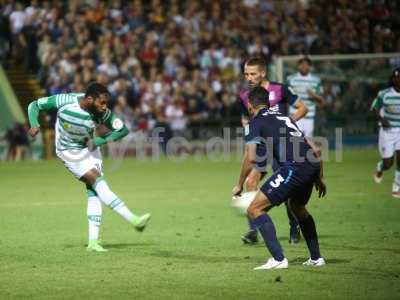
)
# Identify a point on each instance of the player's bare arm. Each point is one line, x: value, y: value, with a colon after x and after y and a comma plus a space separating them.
x: 317, y: 98
x: 301, y: 110
x: 33, y: 114
x: 320, y: 185
x: 385, y: 123
x: 33, y: 131
x: 244, y: 121
x: 248, y: 159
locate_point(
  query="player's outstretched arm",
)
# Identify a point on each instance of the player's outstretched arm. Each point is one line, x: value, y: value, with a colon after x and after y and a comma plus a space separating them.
x: 117, y: 127
x: 44, y: 104
x: 33, y: 116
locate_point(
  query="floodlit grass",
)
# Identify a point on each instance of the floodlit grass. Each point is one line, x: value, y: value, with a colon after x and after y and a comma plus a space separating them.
x: 192, y: 248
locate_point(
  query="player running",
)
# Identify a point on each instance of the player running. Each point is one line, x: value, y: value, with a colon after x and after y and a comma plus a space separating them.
x: 78, y: 115
x: 299, y: 170
x: 386, y: 107
x: 308, y: 87
x: 280, y: 97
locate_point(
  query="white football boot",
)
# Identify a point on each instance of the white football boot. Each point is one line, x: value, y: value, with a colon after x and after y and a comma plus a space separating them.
x: 395, y: 190
x: 274, y: 264
x: 315, y: 263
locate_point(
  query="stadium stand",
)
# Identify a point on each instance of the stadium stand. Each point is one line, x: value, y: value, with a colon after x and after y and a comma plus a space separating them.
x: 180, y: 61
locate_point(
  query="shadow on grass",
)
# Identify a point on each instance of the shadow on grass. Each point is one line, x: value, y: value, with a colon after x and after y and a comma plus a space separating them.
x: 321, y: 237
x: 112, y: 246
x: 329, y: 261
x: 201, y: 258
x: 127, y: 245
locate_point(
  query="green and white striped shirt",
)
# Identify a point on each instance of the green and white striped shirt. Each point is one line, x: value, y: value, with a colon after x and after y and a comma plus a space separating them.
x: 74, y: 125
x: 300, y: 84
x: 388, y: 103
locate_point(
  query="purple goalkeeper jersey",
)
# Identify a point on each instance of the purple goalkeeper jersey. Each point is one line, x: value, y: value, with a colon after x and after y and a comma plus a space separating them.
x: 280, y: 97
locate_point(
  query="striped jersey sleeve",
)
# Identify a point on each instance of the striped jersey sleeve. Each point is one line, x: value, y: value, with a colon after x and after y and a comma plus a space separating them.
x: 110, y: 120
x: 56, y: 101
x: 378, y: 101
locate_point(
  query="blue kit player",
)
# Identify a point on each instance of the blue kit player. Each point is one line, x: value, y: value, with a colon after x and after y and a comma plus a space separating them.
x: 281, y: 97
x: 299, y: 170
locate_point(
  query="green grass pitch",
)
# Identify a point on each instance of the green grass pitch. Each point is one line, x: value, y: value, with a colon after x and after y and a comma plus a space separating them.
x: 191, y: 249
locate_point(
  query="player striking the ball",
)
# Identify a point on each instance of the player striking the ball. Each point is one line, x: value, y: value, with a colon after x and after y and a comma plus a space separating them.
x: 78, y: 115
x: 386, y: 107
x: 299, y: 170
x: 280, y: 97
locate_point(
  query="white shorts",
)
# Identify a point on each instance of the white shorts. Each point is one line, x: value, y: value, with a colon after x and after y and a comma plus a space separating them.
x: 389, y: 141
x: 306, y: 126
x: 79, y: 162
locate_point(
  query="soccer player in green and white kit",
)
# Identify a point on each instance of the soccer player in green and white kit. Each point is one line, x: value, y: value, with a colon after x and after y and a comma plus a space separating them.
x: 386, y: 107
x: 308, y: 87
x: 78, y: 115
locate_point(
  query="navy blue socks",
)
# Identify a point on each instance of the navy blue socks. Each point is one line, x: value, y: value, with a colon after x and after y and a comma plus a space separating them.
x: 267, y: 229
x: 251, y: 224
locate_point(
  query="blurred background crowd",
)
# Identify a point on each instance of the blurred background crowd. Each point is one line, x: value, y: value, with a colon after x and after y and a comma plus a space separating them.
x: 179, y: 62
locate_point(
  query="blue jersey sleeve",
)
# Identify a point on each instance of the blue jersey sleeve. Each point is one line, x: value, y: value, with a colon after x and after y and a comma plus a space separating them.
x: 252, y: 133
x: 289, y: 95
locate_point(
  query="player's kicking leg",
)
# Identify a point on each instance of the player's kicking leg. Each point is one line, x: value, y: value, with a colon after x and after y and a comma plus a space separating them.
x: 252, y: 182
x: 257, y: 212
x: 97, y: 183
x: 309, y: 231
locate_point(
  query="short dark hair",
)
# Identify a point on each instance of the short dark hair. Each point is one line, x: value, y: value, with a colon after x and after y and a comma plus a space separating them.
x: 304, y: 59
x: 256, y: 61
x: 95, y: 89
x: 259, y: 96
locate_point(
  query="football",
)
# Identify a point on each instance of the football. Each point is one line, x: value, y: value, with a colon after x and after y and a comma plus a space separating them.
x: 242, y: 202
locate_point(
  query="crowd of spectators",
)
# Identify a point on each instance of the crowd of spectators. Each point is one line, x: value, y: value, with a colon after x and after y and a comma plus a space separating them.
x: 179, y: 62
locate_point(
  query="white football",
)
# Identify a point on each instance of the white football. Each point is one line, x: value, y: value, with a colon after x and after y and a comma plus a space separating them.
x: 242, y: 202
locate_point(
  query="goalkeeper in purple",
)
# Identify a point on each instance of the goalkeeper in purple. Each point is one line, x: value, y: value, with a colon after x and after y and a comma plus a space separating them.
x: 280, y: 97
x: 78, y: 115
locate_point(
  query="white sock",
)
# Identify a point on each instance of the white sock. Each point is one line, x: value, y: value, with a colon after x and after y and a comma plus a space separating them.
x: 111, y: 200
x: 379, y: 166
x: 397, y: 177
x: 94, y: 212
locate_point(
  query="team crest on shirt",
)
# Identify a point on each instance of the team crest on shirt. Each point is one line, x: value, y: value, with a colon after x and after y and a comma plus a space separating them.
x: 66, y: 125
x: 117, y: 124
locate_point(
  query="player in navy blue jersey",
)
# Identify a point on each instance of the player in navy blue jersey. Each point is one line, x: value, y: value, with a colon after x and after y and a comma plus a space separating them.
x: 281, y: 97
x: 299, y: 170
